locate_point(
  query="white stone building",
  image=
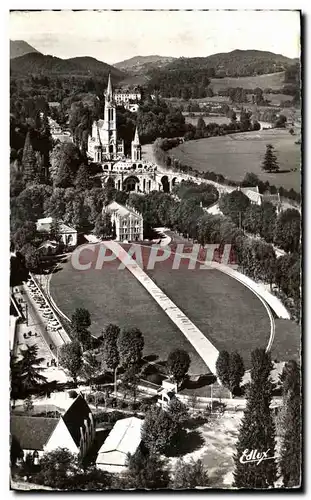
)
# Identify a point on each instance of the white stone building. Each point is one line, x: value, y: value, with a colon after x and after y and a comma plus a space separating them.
x: 69, y: 235
x: 129, y: 224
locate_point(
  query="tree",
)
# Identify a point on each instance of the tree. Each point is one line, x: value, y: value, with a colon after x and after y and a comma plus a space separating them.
x: 70, y: 357
x: 144, y: 471
x: 65, y: 161
x: 189, y: 475
x: 291, y: 440
x: 109, y: 346
x: 178, y: 363
x: 29, y: 368
x: 234, y: 206
x: 26, y: 234
x: 287, y: 231
x: 280, y: 122
x: 257, y: 431
x: 28, y: 404
x: 177, y: 411
x: 81, y: 319
x: 80, y: 322
x: 158, y: 430
x: 270, y: 163
x: 29, y: 160
x: 223, y: 368
x: 236, y: 371
x: 130, y: 381
x: 57, y: 468
x: 130, y: 344
x: 91, y: 367
x: 103, y: 226
x: 83, y: 180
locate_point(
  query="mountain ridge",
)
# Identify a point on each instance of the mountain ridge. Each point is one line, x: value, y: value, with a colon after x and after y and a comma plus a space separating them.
x: 20, y: 48
x: 82, y: 65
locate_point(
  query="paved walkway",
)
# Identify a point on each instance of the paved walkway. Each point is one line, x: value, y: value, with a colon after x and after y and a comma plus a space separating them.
x: 201, y: 344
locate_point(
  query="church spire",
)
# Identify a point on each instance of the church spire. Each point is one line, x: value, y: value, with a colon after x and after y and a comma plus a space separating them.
x: 109, y: 89
x: 136, y: 137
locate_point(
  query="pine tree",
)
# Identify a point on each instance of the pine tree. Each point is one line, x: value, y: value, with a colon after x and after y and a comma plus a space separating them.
x: 270, y: 163
x: 257, y: 430
x: 291, y: 441
x: 29, y: 160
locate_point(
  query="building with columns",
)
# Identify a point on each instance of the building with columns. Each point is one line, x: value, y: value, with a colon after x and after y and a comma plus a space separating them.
x: 128, y: 223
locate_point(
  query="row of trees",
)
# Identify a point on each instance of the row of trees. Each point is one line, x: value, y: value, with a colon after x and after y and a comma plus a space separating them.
x: 255, y: 257
x: 282, y: 229
x: 258, y: 430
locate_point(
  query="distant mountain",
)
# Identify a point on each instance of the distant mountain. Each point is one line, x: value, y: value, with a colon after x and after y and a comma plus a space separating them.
x: 20, y: 48
x: 236, y: 63
x: 37, y: 63
x: 139, y: 64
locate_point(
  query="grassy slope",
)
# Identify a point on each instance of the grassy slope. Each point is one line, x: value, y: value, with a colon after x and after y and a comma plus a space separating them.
x: 272, y: 80
x: 234, y: 155
x: 222, y: 308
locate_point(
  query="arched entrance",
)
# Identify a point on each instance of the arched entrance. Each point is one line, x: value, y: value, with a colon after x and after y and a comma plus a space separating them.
x: 174, y: 180
x: 165, y: 184
x: 130, y: 183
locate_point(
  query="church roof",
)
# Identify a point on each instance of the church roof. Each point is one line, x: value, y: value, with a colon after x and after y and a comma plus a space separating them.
x: 75, y: 416
x: 32, y: 433
x: 121, y: 210
x: 109, y: 88
x: 136, y: 137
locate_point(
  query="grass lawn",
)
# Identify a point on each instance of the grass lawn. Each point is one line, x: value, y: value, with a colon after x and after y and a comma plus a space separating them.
x: 226, y: 312
x: 208, y: 119
x: 274, y: 81
x: 114, y: 296
x: 235, y: 155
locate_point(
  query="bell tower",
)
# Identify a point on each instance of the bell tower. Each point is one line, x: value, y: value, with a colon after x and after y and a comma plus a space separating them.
x: 136, y: 147
x: 110, y: 121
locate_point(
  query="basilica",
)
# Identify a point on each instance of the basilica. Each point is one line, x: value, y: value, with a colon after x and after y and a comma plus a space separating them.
x: 105, y: 147
x: 103, y: 143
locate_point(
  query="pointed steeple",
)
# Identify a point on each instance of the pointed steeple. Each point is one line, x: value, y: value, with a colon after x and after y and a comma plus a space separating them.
x: 109, y: 94
x: 136, y: 137
x: 98, y: 134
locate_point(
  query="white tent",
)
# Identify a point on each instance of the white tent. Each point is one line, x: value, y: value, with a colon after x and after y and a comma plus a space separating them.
x: 124, y: 438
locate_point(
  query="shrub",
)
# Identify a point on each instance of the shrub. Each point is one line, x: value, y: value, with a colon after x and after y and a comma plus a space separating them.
x: 73, y: 394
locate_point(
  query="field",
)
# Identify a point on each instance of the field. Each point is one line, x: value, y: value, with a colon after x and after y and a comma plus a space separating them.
x: 208, y: 119
x: 274, y: 81
x: 235, y: 155
x: 114, y: 296
x: 225, y: 311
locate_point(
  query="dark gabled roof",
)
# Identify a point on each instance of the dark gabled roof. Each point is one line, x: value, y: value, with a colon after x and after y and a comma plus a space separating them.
x: 75, y: 416
x: 32, y: 433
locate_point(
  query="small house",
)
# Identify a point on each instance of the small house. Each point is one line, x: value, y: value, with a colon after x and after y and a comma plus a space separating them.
x: 74, y: 430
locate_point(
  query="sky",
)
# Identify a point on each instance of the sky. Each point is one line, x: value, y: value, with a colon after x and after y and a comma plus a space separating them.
x: 112, y: 36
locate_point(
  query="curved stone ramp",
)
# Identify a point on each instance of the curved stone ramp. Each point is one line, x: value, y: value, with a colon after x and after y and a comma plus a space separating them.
x: 201, y: 344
